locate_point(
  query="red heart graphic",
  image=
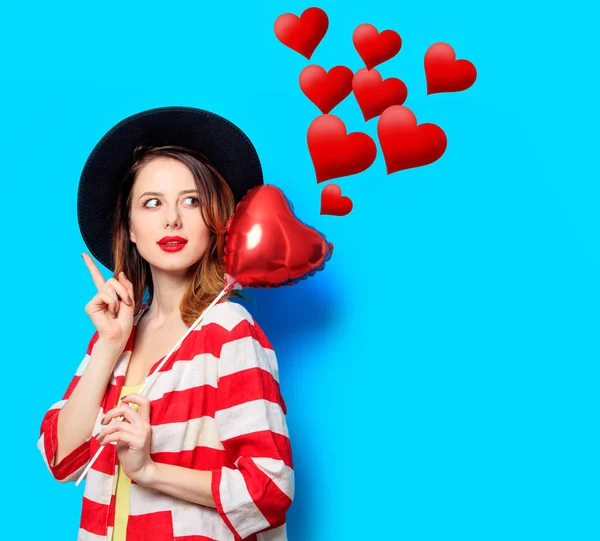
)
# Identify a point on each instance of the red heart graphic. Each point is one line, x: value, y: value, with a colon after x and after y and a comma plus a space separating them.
x: 375, y: 95
x: 404, y: 144
x: 326, y: 89
x: 373, y: 47
x: 333, y: 202
x: 446, y: 74
x: 334, y: 152
x: 267, y: 246
x: 302, y: 34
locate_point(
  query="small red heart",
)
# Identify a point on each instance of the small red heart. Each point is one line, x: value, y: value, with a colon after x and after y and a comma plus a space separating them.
x: 446, y: 74
x: 326, y: 89
x: 373, y: 47
x: 404, y: 144
x: 375, y: 95
x: 302, y: 34
x: 334, y: 152
x: 333, y: 202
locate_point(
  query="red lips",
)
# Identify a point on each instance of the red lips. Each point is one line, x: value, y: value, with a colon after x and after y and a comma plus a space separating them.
x: 171, y: 239
x: 172, y: 244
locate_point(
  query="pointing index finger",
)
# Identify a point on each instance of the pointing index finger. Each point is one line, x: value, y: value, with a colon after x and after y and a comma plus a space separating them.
x: 94, y: 271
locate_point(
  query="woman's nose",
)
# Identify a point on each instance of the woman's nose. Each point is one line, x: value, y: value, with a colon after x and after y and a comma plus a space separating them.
x: 173, y: 218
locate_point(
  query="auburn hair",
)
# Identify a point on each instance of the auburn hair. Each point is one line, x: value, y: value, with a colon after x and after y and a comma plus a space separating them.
x: 217, y: 205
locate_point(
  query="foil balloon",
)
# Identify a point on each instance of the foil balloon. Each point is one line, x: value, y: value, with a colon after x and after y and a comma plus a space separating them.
x: 266, y: 245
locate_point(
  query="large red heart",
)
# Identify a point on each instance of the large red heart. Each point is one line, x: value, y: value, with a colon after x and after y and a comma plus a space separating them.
x: 335, y: 153
x: 267, y: 246
x: 404, y: 144
x: 446, y: 74
x: 304, y: 33
x: 326, y: 89
x: 375, y: 95
x: 373, y: 47
x: 333, y: 202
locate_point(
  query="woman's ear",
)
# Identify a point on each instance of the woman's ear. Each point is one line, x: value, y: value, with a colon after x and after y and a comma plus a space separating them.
x: 131, y: 235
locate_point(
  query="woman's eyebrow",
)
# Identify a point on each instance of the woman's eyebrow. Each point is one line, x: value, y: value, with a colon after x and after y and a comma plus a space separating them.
x: 158, y: 193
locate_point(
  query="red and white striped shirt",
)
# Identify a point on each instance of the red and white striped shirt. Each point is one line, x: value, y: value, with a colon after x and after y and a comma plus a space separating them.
x: 215, y: 405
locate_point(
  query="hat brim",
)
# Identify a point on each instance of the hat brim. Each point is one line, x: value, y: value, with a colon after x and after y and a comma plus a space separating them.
x: 221, y: 141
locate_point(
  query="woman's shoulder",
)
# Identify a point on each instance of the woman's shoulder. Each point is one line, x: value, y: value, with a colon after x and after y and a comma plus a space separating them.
x: 228, y: 322
x: 229, y: 314
x: 233, y: 322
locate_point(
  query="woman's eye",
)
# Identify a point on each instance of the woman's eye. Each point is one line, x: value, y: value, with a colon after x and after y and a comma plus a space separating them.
x: 148, y: 201
x: 154, y: 199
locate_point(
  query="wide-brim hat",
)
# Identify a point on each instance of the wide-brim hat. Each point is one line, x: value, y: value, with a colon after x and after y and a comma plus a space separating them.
x: 221, y: 141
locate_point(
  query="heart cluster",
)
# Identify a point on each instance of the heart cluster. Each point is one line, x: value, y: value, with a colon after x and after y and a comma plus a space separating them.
x: 404, y: 143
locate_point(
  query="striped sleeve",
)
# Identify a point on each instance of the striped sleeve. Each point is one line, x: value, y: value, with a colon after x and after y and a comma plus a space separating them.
x: 255, y: 494
x: 72, y: 465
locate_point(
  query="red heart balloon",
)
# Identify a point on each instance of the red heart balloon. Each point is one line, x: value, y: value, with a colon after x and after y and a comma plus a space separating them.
x: 302, y: 34
x: 326, y: 89
x: 336, y: 153
x: 446, y: 74
x: 267, y: 246
x: 404, y: 144
x: 375, y: 95
x: 373, y: 47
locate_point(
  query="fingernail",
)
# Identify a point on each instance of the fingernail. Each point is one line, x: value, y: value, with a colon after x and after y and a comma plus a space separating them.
x: 124, y: 397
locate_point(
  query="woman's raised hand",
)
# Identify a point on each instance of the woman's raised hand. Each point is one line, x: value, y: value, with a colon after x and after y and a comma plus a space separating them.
x: 111, y: 309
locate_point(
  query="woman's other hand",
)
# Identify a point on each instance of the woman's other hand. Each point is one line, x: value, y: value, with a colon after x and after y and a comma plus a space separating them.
x: 132, y: 435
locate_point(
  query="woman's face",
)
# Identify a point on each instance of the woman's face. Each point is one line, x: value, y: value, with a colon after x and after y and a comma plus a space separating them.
x: 171, y: 210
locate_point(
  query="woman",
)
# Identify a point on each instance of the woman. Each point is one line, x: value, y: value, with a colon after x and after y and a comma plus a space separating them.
x: 204, y: 453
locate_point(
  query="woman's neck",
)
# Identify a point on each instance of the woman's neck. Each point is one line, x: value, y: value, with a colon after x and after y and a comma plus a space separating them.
x: 169, y: 289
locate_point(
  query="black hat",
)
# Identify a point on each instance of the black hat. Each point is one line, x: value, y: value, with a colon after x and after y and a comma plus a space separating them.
x: 223, y: 143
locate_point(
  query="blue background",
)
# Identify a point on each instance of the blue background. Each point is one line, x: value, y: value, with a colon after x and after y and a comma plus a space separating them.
x: 441, y: 373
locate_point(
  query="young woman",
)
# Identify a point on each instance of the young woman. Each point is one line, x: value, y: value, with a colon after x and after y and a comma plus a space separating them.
x: 204, y: 453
